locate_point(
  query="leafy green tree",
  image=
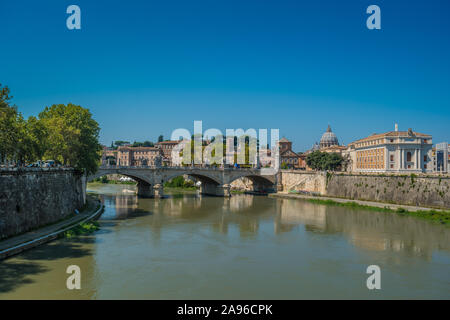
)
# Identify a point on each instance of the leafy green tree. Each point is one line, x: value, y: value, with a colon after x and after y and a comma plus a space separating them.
x: 73, y: 136
x: 314, y: 160
x: 143, y: 144
x: 333, y: 161
x: 37, y: 138
x: 148, y: 144
x: 9, y: 128
x: 4, y: 96
x: 284, y: 165
x: 179, y: 182
x: 119, y: 143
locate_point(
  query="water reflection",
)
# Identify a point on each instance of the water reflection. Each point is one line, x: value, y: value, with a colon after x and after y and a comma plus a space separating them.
x: 370, y: 230
x: 189, y: 246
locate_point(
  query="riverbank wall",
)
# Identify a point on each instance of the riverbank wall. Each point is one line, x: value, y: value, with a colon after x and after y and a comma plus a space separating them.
x: 414, y: 190
x: 32, y: 198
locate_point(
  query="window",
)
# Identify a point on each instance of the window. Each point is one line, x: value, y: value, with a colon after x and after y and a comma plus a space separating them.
x: 424, y: 166
x: 425, y: 159
x: 408, y: 157
x: 392, y: 157
x: 392, y: 166
x: 425, y: 141
x: 392, y: 140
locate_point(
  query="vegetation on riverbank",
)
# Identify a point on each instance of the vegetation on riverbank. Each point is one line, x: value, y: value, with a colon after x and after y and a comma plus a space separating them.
x: 82, y: 228
x: 442, y: 217
x: 104, y: 179
x: 180, y: 183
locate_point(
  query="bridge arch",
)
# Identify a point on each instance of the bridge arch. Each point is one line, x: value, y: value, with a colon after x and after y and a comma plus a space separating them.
x: 211, y: 184
x: 259, y: 183
x: 150, y: 180
x: 133, y: 175
x: 203, y: 177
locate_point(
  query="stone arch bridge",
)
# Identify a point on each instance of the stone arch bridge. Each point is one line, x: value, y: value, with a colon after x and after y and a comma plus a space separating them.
x: 214, y: 181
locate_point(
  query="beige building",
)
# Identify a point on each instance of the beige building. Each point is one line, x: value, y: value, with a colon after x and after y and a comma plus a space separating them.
x: 394, y: 151
x: 138, y: 156
x: 109, y: 156
x: 166, y: 148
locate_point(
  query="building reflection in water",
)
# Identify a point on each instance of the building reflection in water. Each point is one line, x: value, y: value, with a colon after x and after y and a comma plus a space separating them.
x: 370, y: 230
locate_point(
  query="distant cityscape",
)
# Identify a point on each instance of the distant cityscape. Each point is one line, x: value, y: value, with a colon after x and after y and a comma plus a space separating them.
x: 390, y: 152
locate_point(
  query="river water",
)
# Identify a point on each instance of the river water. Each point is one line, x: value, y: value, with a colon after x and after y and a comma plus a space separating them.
x: 244, y: 247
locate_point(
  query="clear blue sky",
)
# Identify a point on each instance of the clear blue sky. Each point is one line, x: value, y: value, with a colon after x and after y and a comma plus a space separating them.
x: 144, y: 68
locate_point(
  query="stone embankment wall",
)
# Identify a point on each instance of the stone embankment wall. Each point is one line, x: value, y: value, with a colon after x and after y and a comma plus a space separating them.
x: 32, y: 198
x: 417, y: 190
x: 243, y: 184
x: 302, y: 181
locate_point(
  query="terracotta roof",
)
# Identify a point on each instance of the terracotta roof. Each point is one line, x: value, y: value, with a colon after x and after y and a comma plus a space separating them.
x: 392, y: 134
x: 288, y: 153
x: 284, y: 140
x: 138, y: 149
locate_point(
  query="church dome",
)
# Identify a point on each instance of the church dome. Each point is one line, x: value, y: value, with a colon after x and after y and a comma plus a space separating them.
x: 328, y: 139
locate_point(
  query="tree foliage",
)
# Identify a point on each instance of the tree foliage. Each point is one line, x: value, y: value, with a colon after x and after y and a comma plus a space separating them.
x: 64, y: 133
x: 9, y: 129
x: 73, y: 136
x: 143, y: 144
x: 119, y: 143
x: 324, y: 161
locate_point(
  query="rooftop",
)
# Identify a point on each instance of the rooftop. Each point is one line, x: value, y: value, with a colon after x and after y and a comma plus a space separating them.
x: 408, y: 133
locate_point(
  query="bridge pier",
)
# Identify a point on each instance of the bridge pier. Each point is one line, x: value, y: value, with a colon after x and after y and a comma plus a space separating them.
x: 158, y: 191
x: 221, y: 190
x: 144, y: 189
x: 263, y: 187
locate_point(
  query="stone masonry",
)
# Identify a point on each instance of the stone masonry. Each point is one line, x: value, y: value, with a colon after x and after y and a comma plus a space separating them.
x: 33, y: 198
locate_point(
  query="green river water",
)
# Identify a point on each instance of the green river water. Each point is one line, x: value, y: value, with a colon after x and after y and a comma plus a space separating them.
x: 244, y: 247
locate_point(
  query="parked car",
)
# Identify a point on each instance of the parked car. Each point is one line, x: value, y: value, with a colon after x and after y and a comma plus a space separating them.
x: 49, y: 163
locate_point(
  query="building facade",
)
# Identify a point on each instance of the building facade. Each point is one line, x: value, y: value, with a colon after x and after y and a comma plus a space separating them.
x: 109, y: 156
x: 394, y: 151
x: 290, y: 158
x: 139, y: 156
x: 166, y: 148
x: 441, y: 158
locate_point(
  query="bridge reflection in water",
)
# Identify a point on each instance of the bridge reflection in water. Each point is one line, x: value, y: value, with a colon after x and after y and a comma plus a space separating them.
x: 243, y: 247
x: 375, y: 231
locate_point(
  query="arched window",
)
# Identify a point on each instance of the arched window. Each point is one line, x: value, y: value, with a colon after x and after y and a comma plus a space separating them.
x: 408, y: 156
